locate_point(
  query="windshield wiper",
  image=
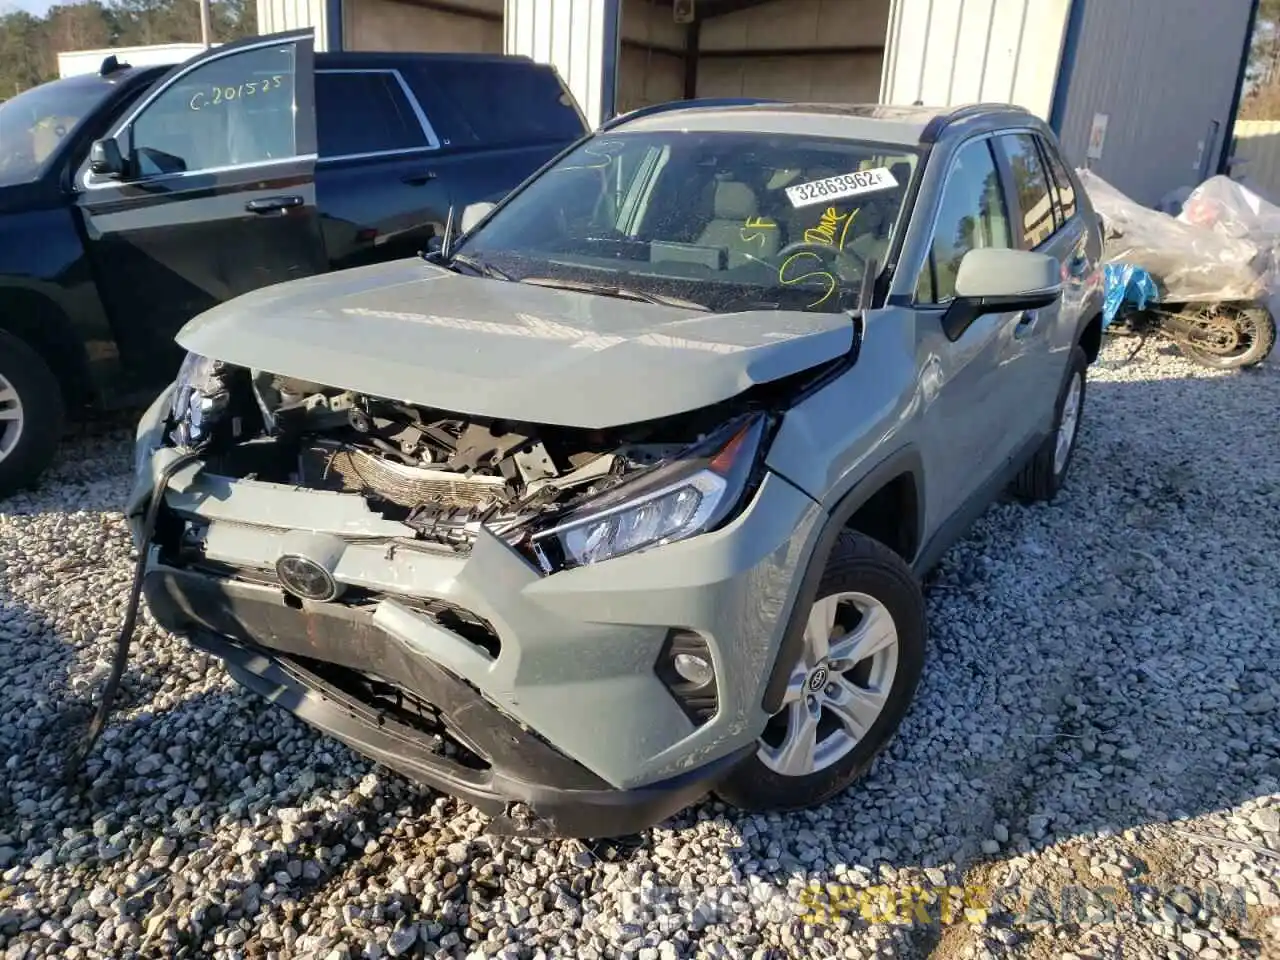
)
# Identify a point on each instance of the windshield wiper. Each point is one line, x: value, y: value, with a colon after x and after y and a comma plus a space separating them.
x: 624, y: 293
x: 482, y: 267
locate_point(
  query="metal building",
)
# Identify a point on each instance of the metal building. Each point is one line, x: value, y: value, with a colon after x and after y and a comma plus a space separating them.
x: 1144, y: 91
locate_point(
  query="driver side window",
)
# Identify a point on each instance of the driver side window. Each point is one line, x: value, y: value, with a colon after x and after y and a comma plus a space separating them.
x: 235, y: 110
x: 971, y: 214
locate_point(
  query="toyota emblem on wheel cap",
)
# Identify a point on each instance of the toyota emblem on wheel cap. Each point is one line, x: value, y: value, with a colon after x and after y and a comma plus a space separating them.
x: 819, y: 679
x: 305, y: 578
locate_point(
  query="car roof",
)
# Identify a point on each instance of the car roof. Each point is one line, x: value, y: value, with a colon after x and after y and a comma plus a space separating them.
x: 358, y: 58
x: 901, y: 125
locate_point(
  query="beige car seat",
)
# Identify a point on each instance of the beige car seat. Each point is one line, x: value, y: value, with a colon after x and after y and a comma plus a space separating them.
x: 735, y: 204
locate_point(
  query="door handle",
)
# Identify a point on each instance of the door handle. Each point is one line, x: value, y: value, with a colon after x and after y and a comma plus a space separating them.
x: 272, y: 204
x: 419, y: 178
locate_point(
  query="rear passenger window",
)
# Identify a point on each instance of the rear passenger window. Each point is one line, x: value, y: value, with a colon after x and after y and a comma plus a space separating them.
x: 1031, y: 183
x: 363, y: 112
x: 1062, y: 180
x: 506, y: 102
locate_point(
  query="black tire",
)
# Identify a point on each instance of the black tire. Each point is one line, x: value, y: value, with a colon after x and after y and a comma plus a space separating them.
x: 863, y: 565
x: 1261, y: 327
x: 43, y: 415
x: 1040, y: 480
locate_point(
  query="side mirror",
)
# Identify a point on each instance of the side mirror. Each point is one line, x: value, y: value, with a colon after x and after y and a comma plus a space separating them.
x: 994, y: 280
x: 474, y: 213
x: 105, y: 158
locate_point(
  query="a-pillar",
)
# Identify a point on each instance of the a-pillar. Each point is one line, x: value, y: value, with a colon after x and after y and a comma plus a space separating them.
x: 580, y: 38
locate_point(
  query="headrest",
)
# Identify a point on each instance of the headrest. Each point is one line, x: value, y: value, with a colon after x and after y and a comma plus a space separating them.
x: 734, y: 201
x: 901, y: 172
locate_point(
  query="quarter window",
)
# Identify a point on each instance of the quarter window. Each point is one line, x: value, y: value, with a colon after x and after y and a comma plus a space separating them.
x: 1031, y: 183
x: 237, y: 109
x: 972, y: 214
x: 366, y: 112
x: 1062, y: 180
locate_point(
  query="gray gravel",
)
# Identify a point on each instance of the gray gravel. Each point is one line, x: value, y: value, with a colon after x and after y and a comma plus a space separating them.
x: 1100, y: 709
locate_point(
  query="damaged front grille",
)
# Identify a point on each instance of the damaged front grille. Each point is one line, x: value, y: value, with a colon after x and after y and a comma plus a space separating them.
x: 330, y: 465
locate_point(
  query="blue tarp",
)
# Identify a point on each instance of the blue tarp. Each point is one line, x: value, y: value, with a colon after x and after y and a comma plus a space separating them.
x: 1126, y: 282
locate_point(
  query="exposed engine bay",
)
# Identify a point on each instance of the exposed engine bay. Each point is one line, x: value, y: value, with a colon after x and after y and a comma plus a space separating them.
x: 442, y: 475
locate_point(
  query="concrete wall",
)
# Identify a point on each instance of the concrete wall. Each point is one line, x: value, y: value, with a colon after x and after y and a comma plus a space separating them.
x: 764, y: 34
x: 400, y: 26
x: 949, y: 52
x: 1162, y: 81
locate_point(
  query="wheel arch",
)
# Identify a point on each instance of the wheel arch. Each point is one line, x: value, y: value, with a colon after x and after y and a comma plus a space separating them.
x: 895, y: 483
x: 38, y: 321
x: 1089, y: 337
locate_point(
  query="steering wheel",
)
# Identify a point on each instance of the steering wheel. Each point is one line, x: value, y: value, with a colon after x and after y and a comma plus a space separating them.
x: 824, y: 250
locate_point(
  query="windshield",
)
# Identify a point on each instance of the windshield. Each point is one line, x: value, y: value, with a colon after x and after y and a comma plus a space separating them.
x: 34, y: 122
x: 729, y: 221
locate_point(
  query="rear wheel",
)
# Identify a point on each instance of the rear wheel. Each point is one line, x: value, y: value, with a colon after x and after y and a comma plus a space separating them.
x: 1043, y: 476
x: 31, y: 415
x: 1234, y: 337
x: 849, y: 688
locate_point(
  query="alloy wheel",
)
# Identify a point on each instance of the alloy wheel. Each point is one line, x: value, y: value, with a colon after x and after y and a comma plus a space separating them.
x: 1068, y: 425
x: 837, y: 690
x: 11, y: 418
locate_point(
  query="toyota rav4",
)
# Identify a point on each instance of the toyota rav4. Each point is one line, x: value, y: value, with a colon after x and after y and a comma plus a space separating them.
x: 622, y: 495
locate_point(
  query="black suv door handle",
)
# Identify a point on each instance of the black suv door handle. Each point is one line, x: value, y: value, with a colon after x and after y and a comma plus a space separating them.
x: 419, y: 178
x: 272, y: 204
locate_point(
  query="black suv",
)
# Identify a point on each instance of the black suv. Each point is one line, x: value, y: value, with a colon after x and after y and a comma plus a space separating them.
x: 133, y: 199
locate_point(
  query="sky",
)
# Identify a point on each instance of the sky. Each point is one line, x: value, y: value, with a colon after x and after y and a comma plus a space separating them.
x: 38, y: 7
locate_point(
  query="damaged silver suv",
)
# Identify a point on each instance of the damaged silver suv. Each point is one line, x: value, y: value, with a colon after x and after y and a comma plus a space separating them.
x: 622, y: 495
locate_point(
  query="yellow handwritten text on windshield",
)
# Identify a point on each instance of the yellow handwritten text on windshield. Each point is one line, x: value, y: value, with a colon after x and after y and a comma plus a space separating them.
x: 832, y: 226
x: 753, y: 229
x: 225, y: 93
x: 786, y: 277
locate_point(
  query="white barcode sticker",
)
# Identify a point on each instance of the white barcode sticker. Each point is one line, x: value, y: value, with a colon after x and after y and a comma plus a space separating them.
x: 837, y: 188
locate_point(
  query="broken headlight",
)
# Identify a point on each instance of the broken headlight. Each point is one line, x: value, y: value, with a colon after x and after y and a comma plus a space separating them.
x: 676, y: 500
x: 201, y: 395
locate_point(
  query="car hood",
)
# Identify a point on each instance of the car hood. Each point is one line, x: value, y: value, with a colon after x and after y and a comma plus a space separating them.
x: 415, y: 332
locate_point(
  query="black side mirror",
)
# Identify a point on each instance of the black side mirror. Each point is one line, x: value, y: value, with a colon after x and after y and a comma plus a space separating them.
x: 105, y: 158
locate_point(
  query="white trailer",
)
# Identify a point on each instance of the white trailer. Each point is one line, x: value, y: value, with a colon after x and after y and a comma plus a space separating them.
x: 73, y: 62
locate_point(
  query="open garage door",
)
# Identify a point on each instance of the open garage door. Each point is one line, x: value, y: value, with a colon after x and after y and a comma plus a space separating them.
x: 826, y: 50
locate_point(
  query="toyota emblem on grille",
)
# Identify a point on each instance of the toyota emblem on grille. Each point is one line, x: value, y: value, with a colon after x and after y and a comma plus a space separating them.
x: 305, y: 578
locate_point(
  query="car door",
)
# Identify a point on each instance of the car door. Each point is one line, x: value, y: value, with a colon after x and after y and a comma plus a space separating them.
x: 216, y: 196
x: 1040, y: 225
x: 383, y: 187
x: 975, y: 378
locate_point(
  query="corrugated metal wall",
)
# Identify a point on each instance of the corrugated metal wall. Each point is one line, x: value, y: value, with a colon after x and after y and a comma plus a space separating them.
x: 949, y: 52
x: 275, y: 16
x: 579, y: 38
x: 1162, y: 72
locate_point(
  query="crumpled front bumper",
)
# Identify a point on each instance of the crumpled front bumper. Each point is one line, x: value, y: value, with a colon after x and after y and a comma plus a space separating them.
x: 576, y: 651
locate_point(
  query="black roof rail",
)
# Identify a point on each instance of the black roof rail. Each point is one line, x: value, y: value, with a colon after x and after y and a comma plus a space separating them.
x: 934, y: 128
x: 672, y: 105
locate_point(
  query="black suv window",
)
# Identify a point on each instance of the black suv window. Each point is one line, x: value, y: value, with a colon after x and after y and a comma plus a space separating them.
x: 1066, y: 193
x: 971, y: 214
x: 1031, y: 183
x: 496, y: 102
x: 230, y: 111
x: 360, y: 112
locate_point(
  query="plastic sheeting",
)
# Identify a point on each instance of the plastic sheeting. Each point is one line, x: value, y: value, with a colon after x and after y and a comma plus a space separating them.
x: 1222, y: 246
x: 1123, y: 282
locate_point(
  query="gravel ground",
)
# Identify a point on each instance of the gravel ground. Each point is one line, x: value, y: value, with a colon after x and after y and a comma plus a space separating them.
x: 1100, y: 709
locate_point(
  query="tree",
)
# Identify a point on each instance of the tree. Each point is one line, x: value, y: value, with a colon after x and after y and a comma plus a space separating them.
x: 29, y: 45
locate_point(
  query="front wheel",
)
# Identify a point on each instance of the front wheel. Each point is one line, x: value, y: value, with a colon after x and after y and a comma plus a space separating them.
x: 849, y: 688
x: 31, y: 415
x: 1233, y: 338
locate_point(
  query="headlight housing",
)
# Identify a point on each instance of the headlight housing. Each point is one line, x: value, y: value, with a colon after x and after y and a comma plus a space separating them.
x: 676, y: 500
x: 201, y: 396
